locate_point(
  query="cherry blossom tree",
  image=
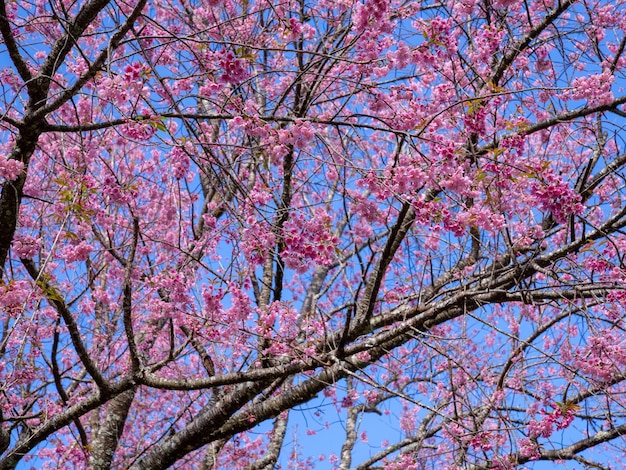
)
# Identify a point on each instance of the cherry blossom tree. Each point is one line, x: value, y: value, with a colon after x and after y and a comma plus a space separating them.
x: 214, y: 212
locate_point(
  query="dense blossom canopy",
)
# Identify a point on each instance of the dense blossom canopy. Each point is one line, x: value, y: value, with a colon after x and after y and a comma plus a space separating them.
x: 213, y: 212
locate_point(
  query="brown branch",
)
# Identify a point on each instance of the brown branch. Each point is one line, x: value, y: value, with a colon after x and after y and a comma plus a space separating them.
x: 65, y: 44
x: 272, y: 452
x: 198, y: 432
x: 609, y: 169
x: 377, y: 346
x: 210, y: 456
x: 523, y: 43
x: 110, y: 430
x: 12, y: 191
x: 348, y: 443
x: 127, y: 302
x: 12, y: 47
x: 56, y: 374
x: 36, y: 111
x: 54, y: 298
x: 569, y: 452
x: 61, y: 420
x: 406, y: 445
x: 405, y: 220
x: 207, y: 361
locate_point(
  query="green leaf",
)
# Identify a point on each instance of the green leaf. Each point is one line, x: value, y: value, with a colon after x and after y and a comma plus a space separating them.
x: 157, y: 123
x: 480, y: 175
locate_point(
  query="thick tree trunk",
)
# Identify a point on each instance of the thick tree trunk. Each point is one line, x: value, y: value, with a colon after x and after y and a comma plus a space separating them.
x: 111, y: 428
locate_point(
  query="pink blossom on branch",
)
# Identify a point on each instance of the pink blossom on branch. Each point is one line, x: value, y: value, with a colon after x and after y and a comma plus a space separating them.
x: 399, y: 223
x: 10, y: 169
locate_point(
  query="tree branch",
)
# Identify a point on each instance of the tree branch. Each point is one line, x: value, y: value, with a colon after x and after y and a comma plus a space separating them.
x: 12, y: 47
x: 54, y: 298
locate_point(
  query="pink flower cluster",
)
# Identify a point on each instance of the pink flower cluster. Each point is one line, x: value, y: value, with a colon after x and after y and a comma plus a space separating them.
x: 133, y: 72
x: 482, y: 441
x: 309, y: 240
x: 487, y: 40
x: 180, y: 162
x: 474, y: 120
x: 14, y: 295
x: 116, y: 193
x: 596, y: 89
x: 529, y: 448
x: 300, y: 135
x: 234, y: 69
x: 26, y: 246
x: 76, y: 252
x: 257, y: 239
x: 560, y: 419
x: 294, y: 30
x: 437, y: 31
x: 142, y: 129
x: 603, y: 357
x: 10, y: 169
x: 370, y: 14
x: 556, y: 418
x: 213, y: 298
x: 554, y: 195
x: 175, y: 284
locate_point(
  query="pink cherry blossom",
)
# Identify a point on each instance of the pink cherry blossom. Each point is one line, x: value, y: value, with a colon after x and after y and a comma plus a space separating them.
x: 232, y: 231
